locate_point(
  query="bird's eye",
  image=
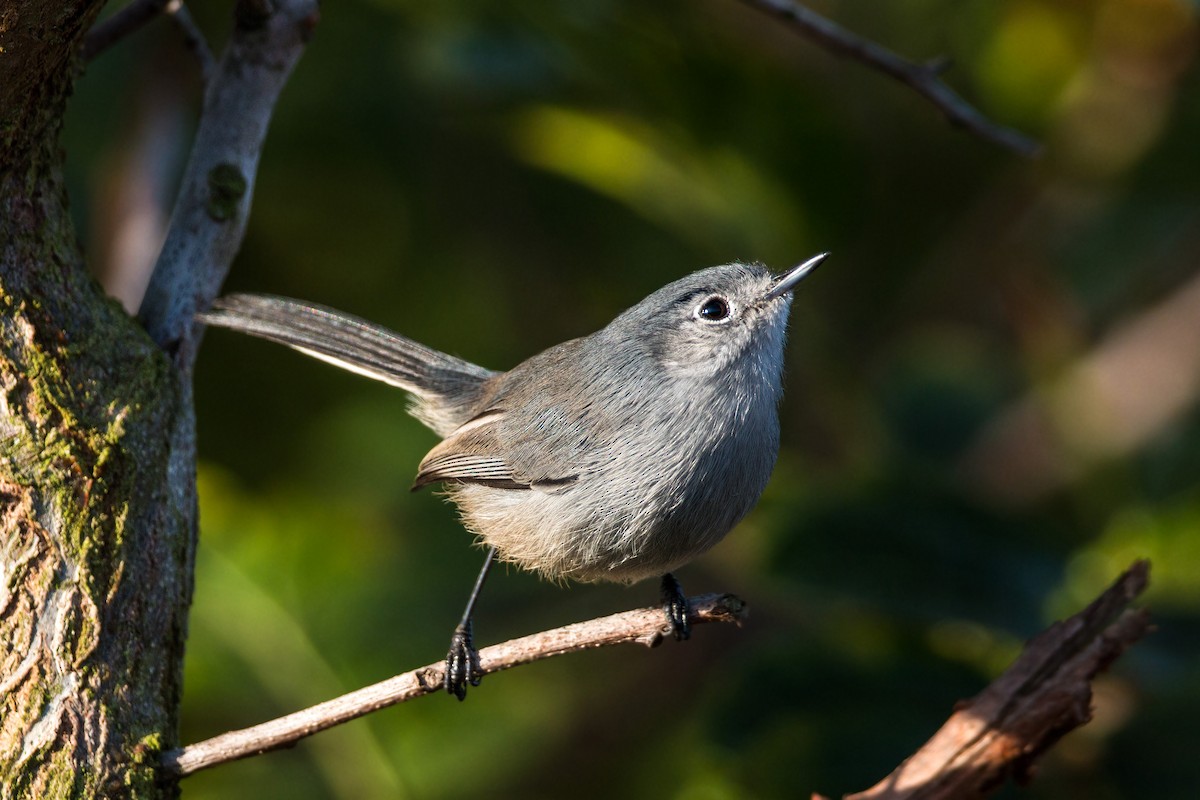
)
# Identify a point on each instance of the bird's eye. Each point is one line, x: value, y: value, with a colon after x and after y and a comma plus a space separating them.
x: 714, y: 309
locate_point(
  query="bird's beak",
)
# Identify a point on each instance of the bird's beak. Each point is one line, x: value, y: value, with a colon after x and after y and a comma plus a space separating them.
x: 785, y: 282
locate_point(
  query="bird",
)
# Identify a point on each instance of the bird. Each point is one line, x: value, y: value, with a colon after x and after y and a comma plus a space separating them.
x: 617, y: 456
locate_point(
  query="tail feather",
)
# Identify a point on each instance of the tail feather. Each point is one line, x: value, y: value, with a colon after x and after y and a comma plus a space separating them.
x: 444, y: 387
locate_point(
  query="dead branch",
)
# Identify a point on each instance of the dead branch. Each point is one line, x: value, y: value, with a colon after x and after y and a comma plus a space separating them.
x: 124, y: 22
x: 193, y: 37
x: 139, y: 12
x: 923, y: 78
x: 1046, y: 693
x: 642, y: 626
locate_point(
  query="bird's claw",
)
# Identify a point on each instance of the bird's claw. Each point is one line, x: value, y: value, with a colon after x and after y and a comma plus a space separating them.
x: 675, y: 605
x: 462, y: 663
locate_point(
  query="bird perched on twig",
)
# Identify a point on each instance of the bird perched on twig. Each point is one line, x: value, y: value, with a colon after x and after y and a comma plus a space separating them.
x: 617, y: 456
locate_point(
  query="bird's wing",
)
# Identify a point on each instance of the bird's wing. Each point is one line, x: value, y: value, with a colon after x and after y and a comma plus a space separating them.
x: 479, y: 452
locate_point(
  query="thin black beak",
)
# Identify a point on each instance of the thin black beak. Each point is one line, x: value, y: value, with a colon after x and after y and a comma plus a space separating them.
x: 785, y: 282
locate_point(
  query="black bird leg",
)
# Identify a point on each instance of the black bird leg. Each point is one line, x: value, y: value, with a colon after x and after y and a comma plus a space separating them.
x: 462, y: 662
x: 675, y: 605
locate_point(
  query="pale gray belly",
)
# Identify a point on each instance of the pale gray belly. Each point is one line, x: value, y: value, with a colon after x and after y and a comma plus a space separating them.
x: 627, y: 529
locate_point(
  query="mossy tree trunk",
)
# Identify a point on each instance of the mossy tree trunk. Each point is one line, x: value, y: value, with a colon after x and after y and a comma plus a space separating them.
x: 97, y: 503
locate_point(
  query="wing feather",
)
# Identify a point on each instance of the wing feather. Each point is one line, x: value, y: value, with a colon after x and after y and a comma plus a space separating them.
x: 474, y: 454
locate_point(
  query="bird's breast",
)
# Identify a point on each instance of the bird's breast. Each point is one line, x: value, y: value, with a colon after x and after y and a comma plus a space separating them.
x: 655, y: 488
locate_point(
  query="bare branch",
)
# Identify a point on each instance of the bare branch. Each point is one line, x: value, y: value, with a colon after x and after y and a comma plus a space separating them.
x: 1043, y: 695
x: 643, y: 626
x: 193, y: 38
x: 209, y: 218
x: 136, y: 14
x: 124, y: 22
x: 922, y: 78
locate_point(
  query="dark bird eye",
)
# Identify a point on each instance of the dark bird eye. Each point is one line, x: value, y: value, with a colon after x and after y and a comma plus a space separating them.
x: 714, y: 309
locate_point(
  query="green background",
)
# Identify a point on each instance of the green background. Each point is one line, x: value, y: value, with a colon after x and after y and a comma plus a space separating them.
x: 492, y: 179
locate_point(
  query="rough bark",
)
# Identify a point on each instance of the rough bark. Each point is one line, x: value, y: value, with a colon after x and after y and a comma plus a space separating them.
x: 1003, y: 731
x: 97, y: 429
x: 96, y: 542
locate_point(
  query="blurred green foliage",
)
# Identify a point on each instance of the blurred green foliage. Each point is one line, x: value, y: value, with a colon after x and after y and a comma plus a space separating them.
x: 494, y: 178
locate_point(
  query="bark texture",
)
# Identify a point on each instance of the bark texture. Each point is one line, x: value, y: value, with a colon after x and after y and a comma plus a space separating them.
x: 95, y: 545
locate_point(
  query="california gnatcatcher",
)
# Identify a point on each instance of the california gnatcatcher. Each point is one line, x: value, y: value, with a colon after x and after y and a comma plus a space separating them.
x: 617, y: 456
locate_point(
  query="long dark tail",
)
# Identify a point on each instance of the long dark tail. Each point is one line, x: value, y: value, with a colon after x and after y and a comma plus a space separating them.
x: 444, y: 387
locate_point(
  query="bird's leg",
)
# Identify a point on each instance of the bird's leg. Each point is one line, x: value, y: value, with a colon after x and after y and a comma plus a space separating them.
x: 462, y: 662
x: 675, y: 605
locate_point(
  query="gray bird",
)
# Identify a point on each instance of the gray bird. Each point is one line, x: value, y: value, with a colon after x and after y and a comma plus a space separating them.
x: 616, y: 456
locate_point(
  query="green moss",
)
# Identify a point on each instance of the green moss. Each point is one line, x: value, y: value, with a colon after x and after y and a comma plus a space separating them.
x: 145, y: 757
x: 226, y: 186
x: 90, y: 403
x: 92, y: 409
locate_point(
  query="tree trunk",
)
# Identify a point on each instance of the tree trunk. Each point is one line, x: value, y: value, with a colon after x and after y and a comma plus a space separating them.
x: 97, y: 502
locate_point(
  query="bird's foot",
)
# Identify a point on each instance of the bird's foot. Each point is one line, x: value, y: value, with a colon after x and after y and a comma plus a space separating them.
x: 675, y: 605
x: 462, y: 663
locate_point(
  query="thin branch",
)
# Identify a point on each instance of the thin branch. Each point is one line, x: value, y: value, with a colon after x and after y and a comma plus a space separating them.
x: 136, y: 14
x: 925, y: 79
x: 124, y: 22
x: 209, y: 218
x: 643, y: 626
x: 1046, y: 693
x: 193, y: 37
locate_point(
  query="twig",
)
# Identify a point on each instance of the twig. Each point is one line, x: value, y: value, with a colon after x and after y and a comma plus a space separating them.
x: 193, y: 37
x: 643, y: 626
x: 922, y: 78
x: 136, y: 14
x: 1043, y: 695
x: 209, y: 218
x: 124, y: 22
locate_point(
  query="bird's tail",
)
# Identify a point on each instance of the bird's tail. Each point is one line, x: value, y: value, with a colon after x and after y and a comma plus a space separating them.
x: 444, y: 388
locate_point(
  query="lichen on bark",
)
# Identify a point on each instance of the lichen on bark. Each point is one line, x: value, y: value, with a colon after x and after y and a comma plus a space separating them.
x: 95, y: 559
x: 96, y: 540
